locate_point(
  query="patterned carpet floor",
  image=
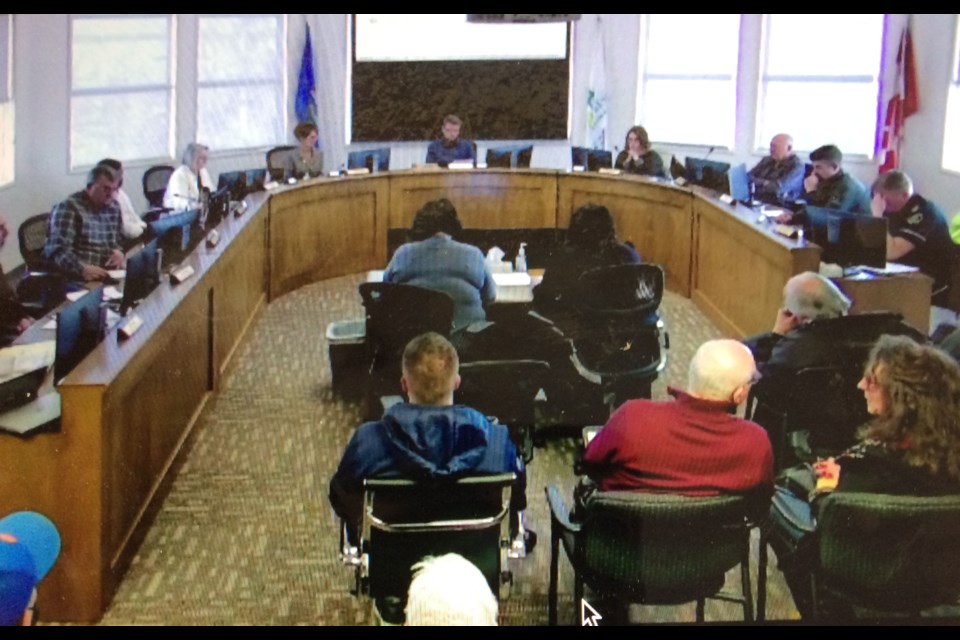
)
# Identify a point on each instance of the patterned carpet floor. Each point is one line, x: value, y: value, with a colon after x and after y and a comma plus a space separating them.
x: 246, y: 535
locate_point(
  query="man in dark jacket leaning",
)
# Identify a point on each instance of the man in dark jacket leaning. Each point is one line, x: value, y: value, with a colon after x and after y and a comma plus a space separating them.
x: 427, y: 437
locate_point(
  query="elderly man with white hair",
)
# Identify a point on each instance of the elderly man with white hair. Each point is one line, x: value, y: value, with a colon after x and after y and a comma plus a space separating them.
x: 449, y: 591
x: 692, y: 446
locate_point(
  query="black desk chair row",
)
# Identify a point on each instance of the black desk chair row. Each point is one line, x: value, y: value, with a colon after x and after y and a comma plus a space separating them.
x: 41, y: 289
x: 155, y: 181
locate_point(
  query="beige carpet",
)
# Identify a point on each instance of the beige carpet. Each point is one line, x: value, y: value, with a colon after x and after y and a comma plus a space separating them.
x: 246, y: 535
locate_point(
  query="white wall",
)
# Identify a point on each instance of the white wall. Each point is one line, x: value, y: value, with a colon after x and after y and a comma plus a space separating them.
x: 923, y: 140
x: 41, y: 91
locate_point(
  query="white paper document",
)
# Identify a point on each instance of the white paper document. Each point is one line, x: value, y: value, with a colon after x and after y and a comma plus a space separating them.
x: 18, y: 360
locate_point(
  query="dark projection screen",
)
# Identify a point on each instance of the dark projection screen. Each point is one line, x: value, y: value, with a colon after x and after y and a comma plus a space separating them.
x: 525, y: 98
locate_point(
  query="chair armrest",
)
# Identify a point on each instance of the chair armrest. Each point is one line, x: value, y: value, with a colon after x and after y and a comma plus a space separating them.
x: 559, y: 514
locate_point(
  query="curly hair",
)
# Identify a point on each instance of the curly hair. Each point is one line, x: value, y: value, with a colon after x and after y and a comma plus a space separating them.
x: 591, y: 228
x: 922, y: 387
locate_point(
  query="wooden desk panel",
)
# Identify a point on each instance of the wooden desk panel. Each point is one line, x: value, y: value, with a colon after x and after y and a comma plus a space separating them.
x: 908, y: 295
x: 485, y: 199
x: 325, y: 229
x: 656, y: 218
x: 739, y: 267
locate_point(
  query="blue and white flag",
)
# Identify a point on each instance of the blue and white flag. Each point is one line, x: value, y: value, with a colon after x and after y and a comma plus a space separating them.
x: 597, y: 97
x: 305, y: 103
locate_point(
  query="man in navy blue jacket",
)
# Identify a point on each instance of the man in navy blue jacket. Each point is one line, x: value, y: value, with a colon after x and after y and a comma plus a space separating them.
x: 427, y: 437
x: 450, y: 147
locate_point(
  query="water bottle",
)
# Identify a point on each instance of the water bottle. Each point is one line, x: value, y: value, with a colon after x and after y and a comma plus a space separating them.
x: 520, y: 265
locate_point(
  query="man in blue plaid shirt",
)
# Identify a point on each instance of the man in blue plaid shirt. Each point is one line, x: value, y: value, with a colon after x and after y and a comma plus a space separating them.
x: 84, y: 237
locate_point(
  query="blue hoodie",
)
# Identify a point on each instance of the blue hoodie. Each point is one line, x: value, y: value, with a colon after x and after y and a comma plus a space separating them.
x: 424, y: 442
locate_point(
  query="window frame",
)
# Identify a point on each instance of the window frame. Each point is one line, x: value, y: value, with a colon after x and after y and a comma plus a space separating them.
x: 8, y: 112
x: 952, y: 99
x: 170, y: 87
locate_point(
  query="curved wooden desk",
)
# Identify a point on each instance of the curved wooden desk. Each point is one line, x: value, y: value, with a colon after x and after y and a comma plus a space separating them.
x: 129, y: 408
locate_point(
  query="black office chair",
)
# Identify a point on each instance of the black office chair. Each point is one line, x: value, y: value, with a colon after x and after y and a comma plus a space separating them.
x: 395, y: 314
x: 509, y: 157
x: 506, y: 390
x: 275, y: 158
x: 651, y: 548
x: 403, y: 521
x: 42, y: 288
x: 823, y: 410
x: 620, y: 343
x: 883, y: 553
x: 591, y: 159
x: 155, y: 181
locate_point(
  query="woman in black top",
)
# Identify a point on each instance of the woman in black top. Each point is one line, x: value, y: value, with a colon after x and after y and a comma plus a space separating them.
x: 637, y: 157
x: 912, y: 447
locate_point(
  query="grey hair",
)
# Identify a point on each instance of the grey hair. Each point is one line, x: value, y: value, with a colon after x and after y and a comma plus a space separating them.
x: 718, y: 368
x: 810, y: 295
x: 449, y: 590
x: 896, y: 181
x: 190, y: 153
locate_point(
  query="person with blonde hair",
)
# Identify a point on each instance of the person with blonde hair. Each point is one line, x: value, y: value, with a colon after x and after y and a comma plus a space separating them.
x: 450, y: 591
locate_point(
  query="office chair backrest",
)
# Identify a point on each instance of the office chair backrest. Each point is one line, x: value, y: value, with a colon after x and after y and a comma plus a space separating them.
x: 275, y: 160
x: 155, y: 181
x: 405, y: 520
x: 629, y: 289
x: 510, y: 157
x: 397, y: 313
x: 32, y: 236
x: 505, y: 389
x: 664, y: 549
x: 894, y: 553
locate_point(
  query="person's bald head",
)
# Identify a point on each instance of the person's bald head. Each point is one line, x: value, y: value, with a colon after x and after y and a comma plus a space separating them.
x: 781, y: 146
x: 810, y: 296
x: 721, y: 370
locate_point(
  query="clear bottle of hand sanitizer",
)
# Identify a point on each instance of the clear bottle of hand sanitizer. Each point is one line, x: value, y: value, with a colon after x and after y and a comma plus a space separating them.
x: 520, y: 265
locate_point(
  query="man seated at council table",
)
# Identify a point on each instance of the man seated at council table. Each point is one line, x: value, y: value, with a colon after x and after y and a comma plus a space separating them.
x: 637, y: 157
x: 132, y: 224
x: 917, y: 230
x: 185, y: 186
x: 84, y: 236
x: 830, y: 187
x: 450, y: 148
x: 692, y: 446
x: 778, y: 178
x: 426, y: 438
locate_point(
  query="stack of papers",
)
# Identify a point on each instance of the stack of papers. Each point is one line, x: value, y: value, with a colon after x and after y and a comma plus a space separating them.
x: 892, y: 268
x: 18, y: 360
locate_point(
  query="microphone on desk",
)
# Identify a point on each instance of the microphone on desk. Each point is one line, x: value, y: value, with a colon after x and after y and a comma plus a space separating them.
x: 711, y: 150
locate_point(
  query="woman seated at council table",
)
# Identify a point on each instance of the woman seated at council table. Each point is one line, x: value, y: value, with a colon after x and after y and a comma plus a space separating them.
x: 591, y: 242
x: 434, y: 260
x: 305, y: 160
x: 912, y: 447
x: 183, y: 188
x: 637, y: 157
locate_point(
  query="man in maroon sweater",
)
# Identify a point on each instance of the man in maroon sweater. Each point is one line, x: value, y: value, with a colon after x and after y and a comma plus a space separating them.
x: 693, y: 445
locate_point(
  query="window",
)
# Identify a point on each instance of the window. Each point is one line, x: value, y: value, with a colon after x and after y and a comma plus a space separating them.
x: 241, y: 81
x: 121, y: 88
x: 820, y: 95
x: 951, y: 129
x: 6, y: 99
x: 687, y: 92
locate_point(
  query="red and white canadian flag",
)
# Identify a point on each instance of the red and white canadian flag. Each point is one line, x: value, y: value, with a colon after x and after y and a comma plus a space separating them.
x: 902, y: 104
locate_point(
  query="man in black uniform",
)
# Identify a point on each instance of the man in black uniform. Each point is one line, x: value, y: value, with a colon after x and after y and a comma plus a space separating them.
x: 918, y: 234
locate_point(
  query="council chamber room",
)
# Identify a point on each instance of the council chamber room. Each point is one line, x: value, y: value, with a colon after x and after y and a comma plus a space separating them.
x: 485, y: 319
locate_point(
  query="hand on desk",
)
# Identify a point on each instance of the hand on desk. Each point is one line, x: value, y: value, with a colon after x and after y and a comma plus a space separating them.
x: 117, y: 260
x: 784, y: 218
x: 93, y: 272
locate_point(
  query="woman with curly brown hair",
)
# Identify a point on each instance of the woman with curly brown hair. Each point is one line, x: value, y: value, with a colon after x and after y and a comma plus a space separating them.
x: 912, y: 447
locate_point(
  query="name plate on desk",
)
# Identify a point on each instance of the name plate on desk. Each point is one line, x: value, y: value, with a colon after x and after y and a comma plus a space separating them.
x: 725, y: 199
x: 179, y: 275
x: 460, y: 165
x: 359, y: 171
x: 607, y: 171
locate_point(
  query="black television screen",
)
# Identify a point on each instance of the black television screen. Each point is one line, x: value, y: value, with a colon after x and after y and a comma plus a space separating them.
x: 143, y: 275
x: 81, y: 326
x: 707, y: 173
x: 848, y: 239
x: 373, y: 159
